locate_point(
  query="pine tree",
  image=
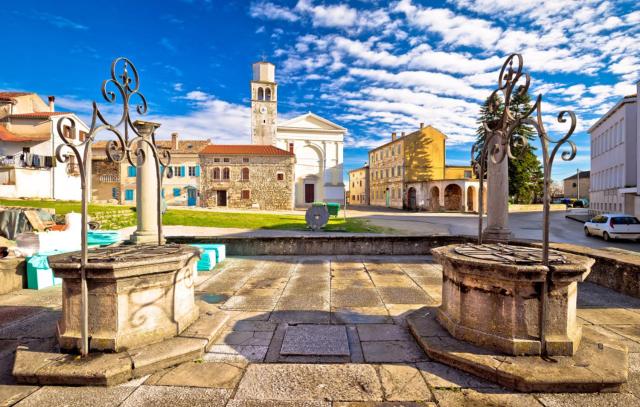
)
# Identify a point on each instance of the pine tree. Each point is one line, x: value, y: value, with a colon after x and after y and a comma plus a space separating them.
x: 525, y: 172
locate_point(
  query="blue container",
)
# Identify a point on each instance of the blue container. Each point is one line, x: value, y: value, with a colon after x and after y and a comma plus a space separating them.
x: 102, y: 237
x: 39, y: 274
x: 212, y: 254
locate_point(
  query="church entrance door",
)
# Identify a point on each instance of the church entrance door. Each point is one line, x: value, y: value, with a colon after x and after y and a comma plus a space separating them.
x: 222, y: 198
x: 309, y: 193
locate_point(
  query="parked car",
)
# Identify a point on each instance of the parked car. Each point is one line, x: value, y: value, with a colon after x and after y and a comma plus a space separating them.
x: 613, y: 226
x: 581, y: 203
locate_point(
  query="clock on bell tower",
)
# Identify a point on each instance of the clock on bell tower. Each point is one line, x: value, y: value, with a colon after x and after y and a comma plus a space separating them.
x: 264, y: 104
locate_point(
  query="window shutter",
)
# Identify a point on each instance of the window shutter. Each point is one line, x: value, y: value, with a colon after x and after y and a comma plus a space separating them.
x: 132, y: 171
x: 176, y: 192
x: 128, y: 195
x: 197, y: 170
x: 182, y: 171
x: 162, y: 192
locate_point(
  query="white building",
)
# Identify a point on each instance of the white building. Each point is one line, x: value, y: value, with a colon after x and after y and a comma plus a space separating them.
x: 614, y: 158
x: 28, y: 143
x: 316, y: 142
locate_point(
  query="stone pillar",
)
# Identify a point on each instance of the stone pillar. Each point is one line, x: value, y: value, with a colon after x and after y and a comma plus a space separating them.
x: 146, y: 189
x: 498, y: 200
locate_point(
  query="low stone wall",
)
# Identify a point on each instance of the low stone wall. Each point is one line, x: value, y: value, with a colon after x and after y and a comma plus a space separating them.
x: 535, y: 207
x: 615, y: 270
x: 12, y: 275
x: 115, y: 219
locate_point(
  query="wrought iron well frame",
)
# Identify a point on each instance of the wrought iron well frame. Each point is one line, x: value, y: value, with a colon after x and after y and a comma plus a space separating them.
x: 129, y: 144
x: 500, y: 138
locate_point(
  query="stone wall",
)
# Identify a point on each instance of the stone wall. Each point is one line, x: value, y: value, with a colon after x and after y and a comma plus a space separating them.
x: 104, y: 177
x: 265, y: 190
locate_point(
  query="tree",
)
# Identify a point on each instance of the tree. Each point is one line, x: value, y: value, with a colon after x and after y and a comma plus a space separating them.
x: 525, y: 171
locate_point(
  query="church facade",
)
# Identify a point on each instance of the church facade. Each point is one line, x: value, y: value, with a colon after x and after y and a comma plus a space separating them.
x: 316, y: 142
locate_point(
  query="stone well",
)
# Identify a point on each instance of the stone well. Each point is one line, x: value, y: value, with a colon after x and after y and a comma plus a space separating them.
x: 495, y: 301
x: 138, y: 295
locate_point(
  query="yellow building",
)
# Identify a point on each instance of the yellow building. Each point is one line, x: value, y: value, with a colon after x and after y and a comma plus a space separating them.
x: 410, y: 172
x: 359, y: 186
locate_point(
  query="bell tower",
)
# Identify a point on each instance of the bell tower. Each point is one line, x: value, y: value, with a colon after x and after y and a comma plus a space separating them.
x: 264, y: 104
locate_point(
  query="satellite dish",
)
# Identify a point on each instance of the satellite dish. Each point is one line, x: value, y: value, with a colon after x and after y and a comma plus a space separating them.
x: 317, y: 217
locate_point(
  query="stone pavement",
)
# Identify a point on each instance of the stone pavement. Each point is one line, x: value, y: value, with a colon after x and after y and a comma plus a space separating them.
x: 310, y: 331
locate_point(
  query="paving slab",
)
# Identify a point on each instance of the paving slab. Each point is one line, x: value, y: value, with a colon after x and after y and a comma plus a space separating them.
x: 11, y: 394
x: 440, y: 376
x: 77, y: 396
x: 404, y: 295
x: 355, y: 297
x: 245, y: 338
x: 304, y: 302
x: 300, y: 317
x: 313, y: 340
x: 252, y: 325
x: 217, y: 353
x: 207, y: 326
x: 250, y: 303
x: 403, y: 383
x: 588, y: 400
x: 383, y: 332
x: 392, y: 352
x: 217, y: 375
x: 360, y: 315
x: 383, y: 404
x: 609, y: 316
x: 470, y: 397
x: 277, y: 403
x: 300, y: 382
x: 154, y: 396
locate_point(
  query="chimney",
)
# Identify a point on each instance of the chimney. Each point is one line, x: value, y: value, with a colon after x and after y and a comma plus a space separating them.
x: 421, y: 125
x: 52, y: 99
x: 174, y: 141
x: 402, y: 134
x: 291, y: 148
x: 393, y: 136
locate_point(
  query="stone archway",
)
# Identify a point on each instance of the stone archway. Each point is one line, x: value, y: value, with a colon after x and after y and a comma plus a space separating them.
x: 434, y: 201
x: 471, y: 192
x: 411, y: 199
x: 453, y: 198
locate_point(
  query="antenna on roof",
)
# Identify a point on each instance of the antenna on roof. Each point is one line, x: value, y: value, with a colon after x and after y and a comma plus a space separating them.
x: 263, y: 57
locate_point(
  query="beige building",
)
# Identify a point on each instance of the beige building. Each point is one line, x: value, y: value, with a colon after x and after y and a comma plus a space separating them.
x: 28, y: 143
x: 247, y: 176
x: 577, y: 185
x: 116, y: 182
x: 410, y: 172
x: 358, y: 192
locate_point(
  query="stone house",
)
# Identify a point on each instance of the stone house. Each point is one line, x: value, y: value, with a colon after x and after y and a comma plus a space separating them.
x: 410, y: 172
x: 577, y: 184
x: 28, y: 142
x: 247, y: 176
x: 116, y: 182
x: 359, y: 186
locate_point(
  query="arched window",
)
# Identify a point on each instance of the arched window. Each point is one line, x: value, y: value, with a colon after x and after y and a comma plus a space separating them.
x: 216, y: 173
x: 245, y: 174
x: 260, y: 94
x: 267, y: 94
x: 225, y: 173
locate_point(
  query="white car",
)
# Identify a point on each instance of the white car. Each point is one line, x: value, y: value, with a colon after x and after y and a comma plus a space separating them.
x: 613, y: 226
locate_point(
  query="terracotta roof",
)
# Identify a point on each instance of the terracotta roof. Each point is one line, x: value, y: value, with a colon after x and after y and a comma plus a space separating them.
x: 11, y: 95
x: 37, y: 115
x: 6, y: 135
x: 243, y: 149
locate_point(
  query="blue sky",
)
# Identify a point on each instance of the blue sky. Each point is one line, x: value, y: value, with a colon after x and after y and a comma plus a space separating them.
x: 371, y: 66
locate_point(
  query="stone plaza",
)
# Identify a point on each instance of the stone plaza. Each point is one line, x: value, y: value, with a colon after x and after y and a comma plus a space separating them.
x: 312, y: 331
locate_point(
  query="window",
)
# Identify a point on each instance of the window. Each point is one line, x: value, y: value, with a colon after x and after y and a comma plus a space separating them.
x: 216, y: 160
x: 393, y: 171
x: 83, y: 136
x: 353, y: 198
x: 260, y: 94
x: 467, y: 174
x: 216, y: 173
x: 244, y: 175
x: 226, y: 159
x: 128, y: 195
x: 225, y: 174
x: 267, y: 94
x: 245, y: 159
x: 192, y: 171
x: 176, y: 192
x: 246, y: 194
x: 280, y: 176
x: 115, y: 193
x: 179, y: 170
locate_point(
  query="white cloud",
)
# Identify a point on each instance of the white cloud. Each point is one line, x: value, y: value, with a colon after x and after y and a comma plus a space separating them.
x: 270, y: 11
x: 328, y: 16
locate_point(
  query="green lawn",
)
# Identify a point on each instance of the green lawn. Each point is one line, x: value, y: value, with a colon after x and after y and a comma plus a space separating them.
x: 183, y: 217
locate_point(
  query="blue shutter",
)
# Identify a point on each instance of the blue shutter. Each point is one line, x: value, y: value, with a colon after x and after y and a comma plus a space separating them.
x: 132, y: 171
x: 162, y: 192
x: 176, y: 192
x: 128, y: 194
x: 114, y: 193
x: 197, y: 170
x: 182, y: 171
x: 161, y: 169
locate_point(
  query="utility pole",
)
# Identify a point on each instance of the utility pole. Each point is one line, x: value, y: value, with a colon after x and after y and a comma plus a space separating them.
x: 578, y: 183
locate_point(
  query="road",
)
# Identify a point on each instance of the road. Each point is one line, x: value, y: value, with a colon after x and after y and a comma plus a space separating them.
x: 525, y: 225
